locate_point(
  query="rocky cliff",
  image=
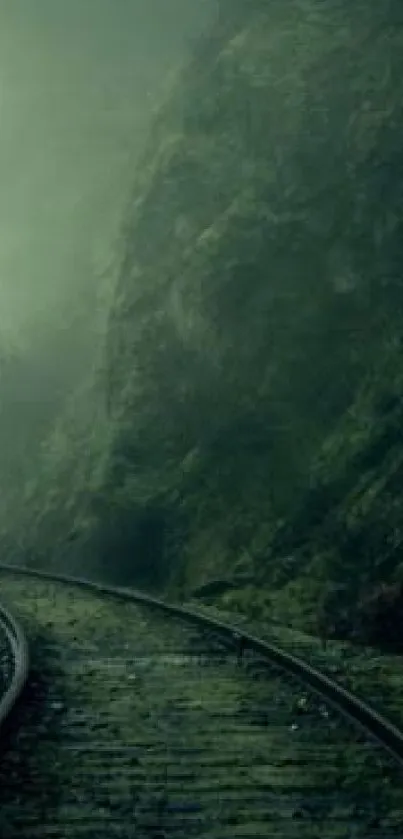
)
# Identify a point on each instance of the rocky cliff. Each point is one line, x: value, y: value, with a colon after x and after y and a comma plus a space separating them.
x: 253, y: 362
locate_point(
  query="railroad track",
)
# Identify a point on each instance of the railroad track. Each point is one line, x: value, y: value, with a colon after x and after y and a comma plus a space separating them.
x: 137, y: 721
x: 14, y: 663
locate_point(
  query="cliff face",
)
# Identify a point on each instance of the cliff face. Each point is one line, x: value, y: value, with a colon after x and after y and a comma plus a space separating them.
x: 253, y: 360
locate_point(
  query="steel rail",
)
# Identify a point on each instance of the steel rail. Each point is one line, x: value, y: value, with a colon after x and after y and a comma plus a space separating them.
x: 344, y: 701
x: 18, y: 644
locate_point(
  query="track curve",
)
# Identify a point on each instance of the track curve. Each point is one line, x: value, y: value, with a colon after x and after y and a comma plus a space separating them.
x: 346, y: 702
x: 15, y: 663
x: 154, y: 731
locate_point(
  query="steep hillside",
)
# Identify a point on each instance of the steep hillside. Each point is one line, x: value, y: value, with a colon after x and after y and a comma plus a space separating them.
x: 254, y: 342
x: 253, y: 365
x: 40, y: 373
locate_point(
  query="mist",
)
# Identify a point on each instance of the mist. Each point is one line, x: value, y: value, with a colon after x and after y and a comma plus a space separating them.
x: 201, y: 400
x: 79, y: 82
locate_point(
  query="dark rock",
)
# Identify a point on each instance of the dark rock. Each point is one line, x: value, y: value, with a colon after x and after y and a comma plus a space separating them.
x: 214, y: 588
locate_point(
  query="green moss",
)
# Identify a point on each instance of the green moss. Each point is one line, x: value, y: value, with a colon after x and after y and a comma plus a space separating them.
x: 215, y: 738
x: 253, y: 361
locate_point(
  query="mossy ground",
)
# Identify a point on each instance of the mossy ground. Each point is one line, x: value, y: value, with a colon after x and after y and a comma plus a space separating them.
x: 133, y: 724
x: 375, y: 676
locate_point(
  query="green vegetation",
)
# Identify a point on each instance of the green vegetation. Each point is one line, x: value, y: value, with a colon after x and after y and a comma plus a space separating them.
x: 252, y: 366
x: 374, y: 676
x: 133, y: 724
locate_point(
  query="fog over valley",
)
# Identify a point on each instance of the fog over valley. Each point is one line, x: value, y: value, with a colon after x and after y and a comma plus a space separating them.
x: 79, y: 82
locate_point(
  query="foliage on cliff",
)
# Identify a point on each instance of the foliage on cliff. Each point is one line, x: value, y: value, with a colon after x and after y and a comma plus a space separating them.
x: 253, y: 356
x: 253, y: 365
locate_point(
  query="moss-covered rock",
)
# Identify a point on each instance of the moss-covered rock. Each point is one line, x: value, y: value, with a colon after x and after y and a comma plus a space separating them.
x: 253, y: 359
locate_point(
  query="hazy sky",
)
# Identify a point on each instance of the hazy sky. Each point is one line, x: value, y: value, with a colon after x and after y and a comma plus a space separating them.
x: 77, y: 80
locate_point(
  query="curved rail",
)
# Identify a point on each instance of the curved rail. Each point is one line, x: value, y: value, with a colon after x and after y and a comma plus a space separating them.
x: 373, y: 723
x: 20, y: 659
